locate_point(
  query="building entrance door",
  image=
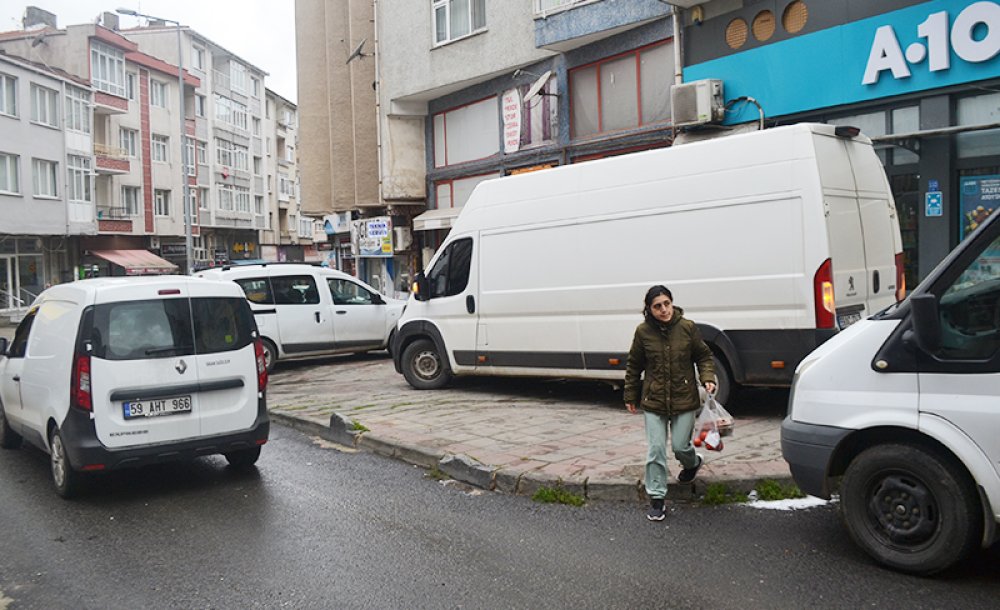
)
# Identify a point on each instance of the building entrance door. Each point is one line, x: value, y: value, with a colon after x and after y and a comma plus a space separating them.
x: 7, y: 282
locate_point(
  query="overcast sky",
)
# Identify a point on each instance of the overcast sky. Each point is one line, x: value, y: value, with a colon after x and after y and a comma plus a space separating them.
x: 260, y: 31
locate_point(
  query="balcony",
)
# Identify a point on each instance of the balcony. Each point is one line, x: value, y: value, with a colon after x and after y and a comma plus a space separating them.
x: 569, y: 24
x: 110, y: 160
x: 106, y: 103
x: 113, y: 219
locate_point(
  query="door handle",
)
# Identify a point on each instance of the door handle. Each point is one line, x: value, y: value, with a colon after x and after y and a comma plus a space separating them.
x: 470, y: 304
x: 875, y: 281
x: 17, y: 378
x: 317, y: 317
x: 341, y: 312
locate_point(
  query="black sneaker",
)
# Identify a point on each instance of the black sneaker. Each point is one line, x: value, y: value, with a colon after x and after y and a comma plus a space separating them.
x: 688, y: 474
x: 656, y: 510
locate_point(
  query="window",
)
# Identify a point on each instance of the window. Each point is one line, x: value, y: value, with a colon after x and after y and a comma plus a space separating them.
x: 161, y: 202
x: 157, y: 93
x: 257, y: 289
x: 8, y: 95
x: 241, y: 156
x: 257, y: 162
x: 284, y: 185
x: 256, y: 86
x: 201, y: 152
x: 199, y: 105
x: 79, y: 185
x: 457, y: 18
x: 454, y: 193
x: 130, y: 200
x: 258, y: 204
x: 107, y: 68
x: 450, y: 274
x: 225, y: 195
x: 237, y: 77
x: 44, y: 174
x: 19, y: 345
x: 290, y: 154
x: 198, y: 58
x: 467, y: 133
x: 288, y: 116
x: 978, y: 110
x: 203, y: 198
x: 294, y: 290
x: 9, y: 171
x: 224, y: 153
x: 621, y: 92
x: 161, y: 148
x: 189, y: 156
x: 305, y: 227
x: 129, y: 139
x: 44, y: 106
x: 242, y: 195
x: 256, y: 127
x: 970, y: 327
x: 77, y: 110
x: 231, y: 112
x: 131, y: 78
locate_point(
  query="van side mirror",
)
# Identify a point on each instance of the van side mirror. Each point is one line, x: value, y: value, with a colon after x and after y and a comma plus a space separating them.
x: 926, y: 322
x: 4, y: 344
x: 377, y: 299
x: 421, y: 288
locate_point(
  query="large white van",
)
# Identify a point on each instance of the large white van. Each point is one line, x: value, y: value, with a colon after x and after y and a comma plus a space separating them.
x: 771, y: 241
x: 119, y: 372
x: 903, y: 409
x: 306, y: 310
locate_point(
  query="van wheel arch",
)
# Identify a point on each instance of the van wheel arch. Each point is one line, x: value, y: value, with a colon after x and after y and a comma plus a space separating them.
x: 270, y: 353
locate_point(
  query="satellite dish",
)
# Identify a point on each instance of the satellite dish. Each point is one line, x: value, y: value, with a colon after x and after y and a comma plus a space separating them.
x: 537, y: 86
x: 356, y: 53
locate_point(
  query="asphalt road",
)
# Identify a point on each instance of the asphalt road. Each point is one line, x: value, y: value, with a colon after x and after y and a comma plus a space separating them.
x: 314, y: 527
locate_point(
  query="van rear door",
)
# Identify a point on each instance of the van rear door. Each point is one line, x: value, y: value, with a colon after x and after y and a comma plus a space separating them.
x: 144, y: 379
x: 224, y: 360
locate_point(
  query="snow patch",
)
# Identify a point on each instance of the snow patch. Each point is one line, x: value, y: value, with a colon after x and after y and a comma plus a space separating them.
x: 791, y: 504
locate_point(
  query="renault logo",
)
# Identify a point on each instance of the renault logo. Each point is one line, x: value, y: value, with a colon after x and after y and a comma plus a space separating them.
x: 181, y: 367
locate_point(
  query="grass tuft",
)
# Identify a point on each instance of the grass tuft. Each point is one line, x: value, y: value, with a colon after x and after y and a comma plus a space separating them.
x: 769, y: 490
x: 358, y: 426
x: 719, y: 493
x: 436, y: 474
x: 558, y: 495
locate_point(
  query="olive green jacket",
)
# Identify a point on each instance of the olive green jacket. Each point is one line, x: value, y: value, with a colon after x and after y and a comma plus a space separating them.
x: 664, y: 356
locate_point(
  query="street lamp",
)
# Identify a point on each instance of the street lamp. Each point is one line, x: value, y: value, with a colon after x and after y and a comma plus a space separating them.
x: 188, y: 212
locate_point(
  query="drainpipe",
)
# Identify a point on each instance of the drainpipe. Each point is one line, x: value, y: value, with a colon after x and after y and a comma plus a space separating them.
x: 678, y: 42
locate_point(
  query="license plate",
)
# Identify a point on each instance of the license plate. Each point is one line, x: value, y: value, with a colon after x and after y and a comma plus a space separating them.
x: 845, y: 320
x: 156, y: 407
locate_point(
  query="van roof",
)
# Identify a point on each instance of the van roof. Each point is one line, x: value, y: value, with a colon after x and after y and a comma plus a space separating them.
x: 746, y: 150
x: 271, y: 269
x: 86, y: 291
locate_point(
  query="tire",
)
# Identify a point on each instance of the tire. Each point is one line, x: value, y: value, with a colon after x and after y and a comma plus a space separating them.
x: 725, y: 388
x: 8, y: 438
x: 68, y: 482
x: 423, y: 367
x: 243, y: 458
x: 910, y: 508
x: 270, y: 354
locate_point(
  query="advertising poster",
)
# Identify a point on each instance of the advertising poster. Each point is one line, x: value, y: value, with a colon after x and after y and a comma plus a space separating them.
x: 372, y: 237
x: 980, y: 196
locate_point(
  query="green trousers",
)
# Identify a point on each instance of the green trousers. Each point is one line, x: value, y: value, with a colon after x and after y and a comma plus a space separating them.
x: 681, y: 426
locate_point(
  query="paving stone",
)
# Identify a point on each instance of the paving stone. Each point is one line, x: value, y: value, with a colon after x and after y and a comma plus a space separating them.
x: 465, y: 469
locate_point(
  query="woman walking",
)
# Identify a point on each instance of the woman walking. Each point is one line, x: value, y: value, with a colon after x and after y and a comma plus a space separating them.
x: 665, y: 349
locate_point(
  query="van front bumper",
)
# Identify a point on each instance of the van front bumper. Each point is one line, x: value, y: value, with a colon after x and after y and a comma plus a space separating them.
x: 85, y: 451
x: 808, y: 449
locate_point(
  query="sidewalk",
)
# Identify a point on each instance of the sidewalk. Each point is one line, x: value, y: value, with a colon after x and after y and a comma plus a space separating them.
x: 512, y: 435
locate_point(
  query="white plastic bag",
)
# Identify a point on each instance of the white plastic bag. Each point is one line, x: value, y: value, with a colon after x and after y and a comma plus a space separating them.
x: 713, y: 422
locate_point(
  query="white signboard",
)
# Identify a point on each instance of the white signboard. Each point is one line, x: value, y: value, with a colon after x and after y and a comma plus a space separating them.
x: 511, y: 105
x: 372, y: 237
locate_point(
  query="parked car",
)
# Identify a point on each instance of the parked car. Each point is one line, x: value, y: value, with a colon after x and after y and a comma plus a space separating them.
x: 306, y: 310
x: 772, y: 242
x: 902, y: 411
x: 119, y: 372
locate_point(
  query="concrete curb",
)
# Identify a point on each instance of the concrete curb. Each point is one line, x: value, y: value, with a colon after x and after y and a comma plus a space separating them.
x: 523, y: 483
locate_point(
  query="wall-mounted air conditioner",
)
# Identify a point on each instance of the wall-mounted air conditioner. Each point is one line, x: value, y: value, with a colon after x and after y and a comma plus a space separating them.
x: 697, y: 103
x: 402, y: 238
x: 154, y: 242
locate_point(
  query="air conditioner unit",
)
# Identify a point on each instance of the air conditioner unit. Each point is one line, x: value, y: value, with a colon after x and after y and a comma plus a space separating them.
x: 697, y: 103
x: 154, y: 242
x: 402, y: 237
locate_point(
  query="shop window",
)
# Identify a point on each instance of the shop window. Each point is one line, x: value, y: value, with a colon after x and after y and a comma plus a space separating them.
x: 454, y: 193
x: 908, y: 197
x: 978, y: 110
x: 621, y: 92
x: 467, y: 133
x: 905, y: 120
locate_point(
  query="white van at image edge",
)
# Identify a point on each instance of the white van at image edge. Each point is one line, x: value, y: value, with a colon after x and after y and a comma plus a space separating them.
x: 770, y: 241
x: 903, y: 411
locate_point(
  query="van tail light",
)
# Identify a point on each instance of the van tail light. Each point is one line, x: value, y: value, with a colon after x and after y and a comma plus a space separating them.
x: 80, y: 396
x: 258, y: 352
x: 823, y: 289
x: 900, y: 278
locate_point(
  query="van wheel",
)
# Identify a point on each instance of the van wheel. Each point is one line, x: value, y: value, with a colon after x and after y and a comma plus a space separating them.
x: 8, y: 438
x: 270, y: 354
x: 423, y: 367
x: 243, y: 458
x: 725, y: 388
x: 910, y: 508
x: 67, y: 481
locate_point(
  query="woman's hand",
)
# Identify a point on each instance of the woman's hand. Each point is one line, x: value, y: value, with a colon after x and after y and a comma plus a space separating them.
x: 710, y: 386
x: 631, y: 408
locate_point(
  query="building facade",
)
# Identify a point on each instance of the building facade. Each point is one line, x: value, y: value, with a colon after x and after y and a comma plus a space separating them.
x: 46, y: 183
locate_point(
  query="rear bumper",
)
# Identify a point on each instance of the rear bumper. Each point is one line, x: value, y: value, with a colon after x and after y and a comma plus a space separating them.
x: 85, y: 450
x: 808, y: 448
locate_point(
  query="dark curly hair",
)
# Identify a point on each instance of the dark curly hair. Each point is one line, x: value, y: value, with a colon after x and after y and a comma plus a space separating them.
x: 651, y: 294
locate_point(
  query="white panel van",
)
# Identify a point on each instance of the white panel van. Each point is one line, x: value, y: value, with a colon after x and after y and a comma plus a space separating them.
x: 903, y: 410
x: 771, y: 241
x: 119, y: 372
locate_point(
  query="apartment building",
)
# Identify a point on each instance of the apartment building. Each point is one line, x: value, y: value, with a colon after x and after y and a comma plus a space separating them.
x: 46, y: 185
x: 468, y: 90
x: 229, y: 143
x: 133, y: 161
x: 291, y: 234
